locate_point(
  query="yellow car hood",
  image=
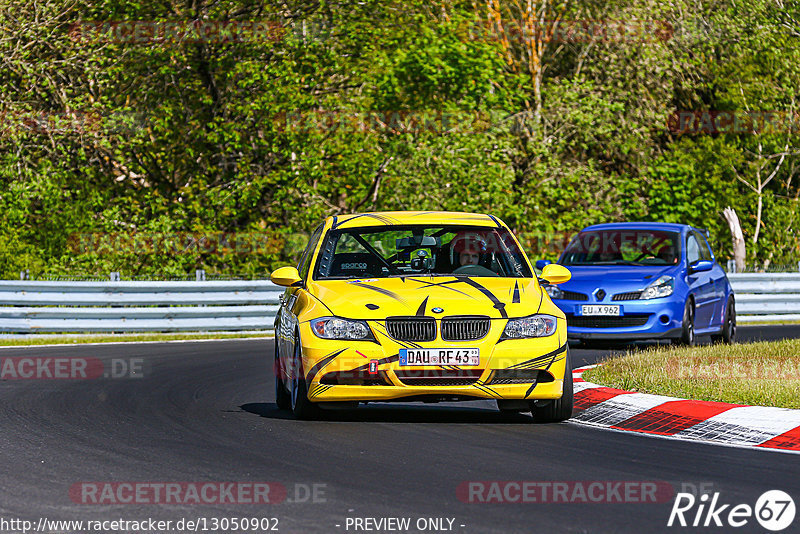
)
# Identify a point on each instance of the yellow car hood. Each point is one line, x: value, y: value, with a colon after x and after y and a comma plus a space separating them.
x: 419, y: 295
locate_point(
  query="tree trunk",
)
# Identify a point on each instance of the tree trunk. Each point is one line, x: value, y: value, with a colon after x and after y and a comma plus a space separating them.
x: 758, y: 217
x: 738, y: 237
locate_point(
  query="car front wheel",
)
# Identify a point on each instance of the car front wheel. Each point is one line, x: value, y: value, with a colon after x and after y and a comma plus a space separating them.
x: 558, y: 409
x: 298, y: 388
x: 282, y: 398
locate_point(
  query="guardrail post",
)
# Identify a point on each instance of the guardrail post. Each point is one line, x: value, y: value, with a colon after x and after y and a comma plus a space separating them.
x: 200, y: 275
x: 732, y: 266
x: 114, y: 276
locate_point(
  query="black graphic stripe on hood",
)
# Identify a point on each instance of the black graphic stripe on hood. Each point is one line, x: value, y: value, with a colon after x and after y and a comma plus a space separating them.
x: 515, y: 298
x: 541, y: 299
x: 478, y: 218
x: 380, y: 290
x: 312, y: 373
x: 421, y: 309
x: 380, y: 218
x: 405, y: 344
x: 501, y: 307
x: 427, y: 284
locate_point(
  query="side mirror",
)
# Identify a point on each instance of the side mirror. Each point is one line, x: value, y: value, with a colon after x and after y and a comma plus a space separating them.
x: 701, y: 266
x: 555, y: 273
x: 541, y: 264
x: 286, y: 277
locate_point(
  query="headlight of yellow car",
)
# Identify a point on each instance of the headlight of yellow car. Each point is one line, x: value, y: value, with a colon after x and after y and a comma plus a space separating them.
x: 533, y: 326
x: 338, y: 328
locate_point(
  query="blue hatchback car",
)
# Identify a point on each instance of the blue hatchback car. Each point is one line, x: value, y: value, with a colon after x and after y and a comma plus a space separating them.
x: 637, y: 281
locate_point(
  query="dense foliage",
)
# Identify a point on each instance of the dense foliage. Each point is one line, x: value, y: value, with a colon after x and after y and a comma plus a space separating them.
x: 136, y: 139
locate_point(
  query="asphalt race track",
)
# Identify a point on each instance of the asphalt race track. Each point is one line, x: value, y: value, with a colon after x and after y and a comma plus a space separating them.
x: 204, y: 411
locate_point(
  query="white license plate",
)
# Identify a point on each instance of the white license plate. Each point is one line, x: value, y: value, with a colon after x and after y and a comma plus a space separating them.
x: 599, y: 309
x: 439, y: 357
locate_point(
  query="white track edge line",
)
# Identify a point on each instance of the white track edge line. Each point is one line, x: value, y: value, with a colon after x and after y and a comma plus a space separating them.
x: 686, y: 440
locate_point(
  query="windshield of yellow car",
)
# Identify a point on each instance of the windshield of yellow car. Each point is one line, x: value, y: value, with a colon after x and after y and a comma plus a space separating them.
x: 441, y: 250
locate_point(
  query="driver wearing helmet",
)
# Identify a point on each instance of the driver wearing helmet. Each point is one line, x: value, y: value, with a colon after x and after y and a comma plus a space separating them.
x: 469, y: 256
x: 668, y: 254
x: 469, y: 248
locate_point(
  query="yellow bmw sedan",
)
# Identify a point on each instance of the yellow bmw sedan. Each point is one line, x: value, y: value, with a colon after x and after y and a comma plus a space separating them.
x: 419, y: 306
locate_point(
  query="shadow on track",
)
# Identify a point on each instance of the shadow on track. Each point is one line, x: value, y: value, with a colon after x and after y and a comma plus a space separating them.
x: 383, y: 413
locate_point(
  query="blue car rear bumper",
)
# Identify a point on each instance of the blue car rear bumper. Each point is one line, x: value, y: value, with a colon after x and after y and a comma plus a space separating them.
x: 638, y: 319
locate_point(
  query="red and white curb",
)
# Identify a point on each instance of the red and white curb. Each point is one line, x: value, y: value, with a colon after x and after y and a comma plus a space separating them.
x: 714, y: 422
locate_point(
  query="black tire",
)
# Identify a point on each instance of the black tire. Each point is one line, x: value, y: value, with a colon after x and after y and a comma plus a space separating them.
x: 301, y: 406
x: 727, y: 334
x: 687, y: 338
x: 282, y: 397
x: 559, y: 409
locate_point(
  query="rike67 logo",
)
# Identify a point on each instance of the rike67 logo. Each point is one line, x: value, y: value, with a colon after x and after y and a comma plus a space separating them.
x: 774, y: 510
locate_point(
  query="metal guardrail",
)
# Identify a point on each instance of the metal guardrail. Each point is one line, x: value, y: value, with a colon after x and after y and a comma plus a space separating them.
x: 34, y: 307
x: 766, y: 296
x: 127, y: 306
x: 758, y: 268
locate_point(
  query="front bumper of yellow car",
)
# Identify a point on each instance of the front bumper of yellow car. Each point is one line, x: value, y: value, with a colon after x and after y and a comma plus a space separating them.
x: 518, y: 369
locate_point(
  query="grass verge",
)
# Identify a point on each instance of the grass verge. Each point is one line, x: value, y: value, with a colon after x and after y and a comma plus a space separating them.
x: 44, y: 339
x: 766, y: 373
